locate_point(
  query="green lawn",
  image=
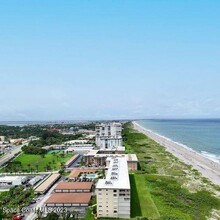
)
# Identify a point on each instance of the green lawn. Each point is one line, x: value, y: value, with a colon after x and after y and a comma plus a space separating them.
x: 40, y: 163
x: 141, y: 201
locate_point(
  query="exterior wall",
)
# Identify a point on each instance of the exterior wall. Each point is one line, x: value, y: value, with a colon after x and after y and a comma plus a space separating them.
x: 101, y: 161
x: 109, y: 143
x: 108, y: 130
x: 72, y: 190
x: 132, y: 165
x: 80, y: 208
x: 2, y: 138
x: 114, y: 203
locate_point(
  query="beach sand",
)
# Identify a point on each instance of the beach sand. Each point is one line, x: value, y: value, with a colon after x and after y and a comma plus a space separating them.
x: 205, y: 166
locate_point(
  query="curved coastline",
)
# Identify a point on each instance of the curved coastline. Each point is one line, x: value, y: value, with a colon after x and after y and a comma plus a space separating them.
x: 207, y: 167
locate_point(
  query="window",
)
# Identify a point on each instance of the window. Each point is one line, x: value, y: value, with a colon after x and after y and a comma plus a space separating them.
x: 115, y: 194
x: 115, y: 211
x: 115, y: 190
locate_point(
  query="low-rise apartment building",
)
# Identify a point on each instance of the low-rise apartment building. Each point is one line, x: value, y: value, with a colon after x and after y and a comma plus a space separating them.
x: 99, y: 158
x: 73, y: 187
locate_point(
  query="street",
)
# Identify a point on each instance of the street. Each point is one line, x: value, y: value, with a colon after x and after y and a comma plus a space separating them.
x: 10, y: 154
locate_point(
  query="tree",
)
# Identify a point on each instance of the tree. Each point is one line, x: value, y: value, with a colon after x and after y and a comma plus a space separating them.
x: 39, y: 213
x: 52, y: 216
x: 37, y: 167
x: 29, y: 165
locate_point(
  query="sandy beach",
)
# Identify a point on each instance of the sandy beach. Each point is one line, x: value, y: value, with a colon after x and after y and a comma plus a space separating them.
x: 205, y: 166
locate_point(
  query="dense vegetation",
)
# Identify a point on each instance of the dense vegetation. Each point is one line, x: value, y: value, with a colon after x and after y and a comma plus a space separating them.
x: 157, y: 188
x: 21, y: 132
x: 15, y: 198
x: 47, y: 138
x: 38, y: 130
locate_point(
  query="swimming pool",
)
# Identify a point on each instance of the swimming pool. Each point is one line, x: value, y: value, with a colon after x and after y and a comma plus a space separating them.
x: 90, y: 176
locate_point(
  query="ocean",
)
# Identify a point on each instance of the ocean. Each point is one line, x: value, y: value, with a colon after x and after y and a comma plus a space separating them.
x: 202, y: 135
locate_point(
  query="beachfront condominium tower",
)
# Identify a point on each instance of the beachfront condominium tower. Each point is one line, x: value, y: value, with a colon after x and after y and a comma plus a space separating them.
x: 113, y: 192
x: 108, y: 135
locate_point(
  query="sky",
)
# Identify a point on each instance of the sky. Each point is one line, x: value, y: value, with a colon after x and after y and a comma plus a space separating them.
x: 113, y: 59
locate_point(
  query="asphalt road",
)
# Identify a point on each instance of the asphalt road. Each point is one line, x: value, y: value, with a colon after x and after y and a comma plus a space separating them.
x: 10, y: 154
x: 40, y: 203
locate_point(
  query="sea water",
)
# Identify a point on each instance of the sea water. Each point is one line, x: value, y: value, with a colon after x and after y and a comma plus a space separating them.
x: 202, y: 135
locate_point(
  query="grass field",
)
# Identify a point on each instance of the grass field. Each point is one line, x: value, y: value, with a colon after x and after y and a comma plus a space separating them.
x: 141, y: 202
x: 165, y: 188
x: 39, y: 163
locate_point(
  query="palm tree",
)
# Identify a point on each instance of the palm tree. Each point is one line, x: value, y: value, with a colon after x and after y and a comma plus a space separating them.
x: 39, y: 213
x: 37, y: 167
x: 29, y: 167
x: 76, y: 214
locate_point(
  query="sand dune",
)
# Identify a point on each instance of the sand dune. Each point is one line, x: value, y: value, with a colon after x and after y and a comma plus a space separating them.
x: 205, y: 166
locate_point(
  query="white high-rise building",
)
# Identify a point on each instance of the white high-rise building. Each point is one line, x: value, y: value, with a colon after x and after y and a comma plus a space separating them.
x: 108, y: 135
x: 113, y: 192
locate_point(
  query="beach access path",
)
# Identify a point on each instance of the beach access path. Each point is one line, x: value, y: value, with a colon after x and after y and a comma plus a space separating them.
x: 205, y: 166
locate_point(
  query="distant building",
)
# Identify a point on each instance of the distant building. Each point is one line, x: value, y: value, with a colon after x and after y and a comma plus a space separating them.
x: 72, y: 160
x: 113, y: 192
x: 99, y: 158
x: 35, y: 180
x: 17, y: 141
x: 2, y: 138
x: 108, y: 135
x: 54, y: 147
x: 86, y: 132
x: 12, y: 180
x: 73, y: 142
x: 79, y: 148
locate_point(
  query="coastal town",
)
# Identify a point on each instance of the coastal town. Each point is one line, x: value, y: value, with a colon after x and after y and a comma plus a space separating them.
x: 96, y: 175
x: 110, y: 110
x: 103, y: 170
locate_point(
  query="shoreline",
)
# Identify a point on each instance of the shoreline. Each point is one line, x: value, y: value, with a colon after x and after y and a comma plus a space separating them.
x: 208, y: 168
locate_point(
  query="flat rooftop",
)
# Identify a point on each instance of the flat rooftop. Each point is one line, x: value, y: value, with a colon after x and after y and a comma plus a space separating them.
x: 104, y: 151
x: 71, y: 198
x: 117, y: 175
x: 76, y: 141
x: 71, y: 159
x: 11, y: 178
x: 96, y: 154
x: 47, y: 183
x: 74, y: 185
x: 129, y: 157
x: 77, y: 172
x: 111, y: 137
